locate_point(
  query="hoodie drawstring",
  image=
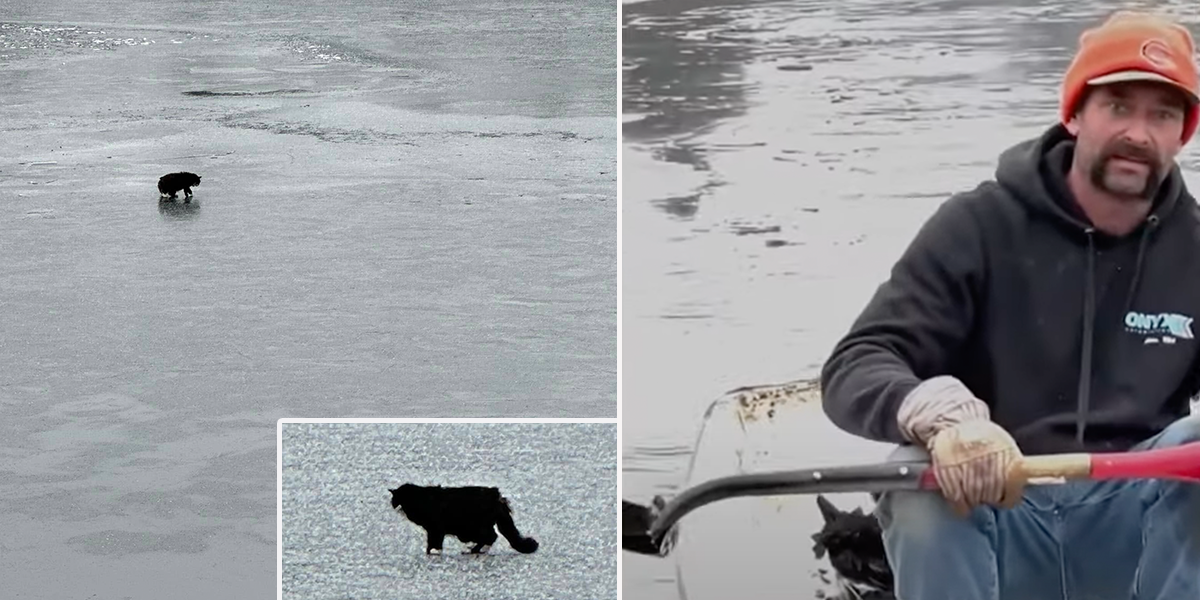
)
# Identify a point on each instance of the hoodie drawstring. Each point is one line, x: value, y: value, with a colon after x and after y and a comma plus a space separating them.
x: 1089, y: 316
x: 1151, y: 223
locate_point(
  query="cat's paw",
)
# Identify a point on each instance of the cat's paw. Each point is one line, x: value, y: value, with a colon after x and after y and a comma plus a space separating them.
x: 433, y: 551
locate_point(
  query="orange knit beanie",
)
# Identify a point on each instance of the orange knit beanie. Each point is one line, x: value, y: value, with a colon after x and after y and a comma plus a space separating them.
x: 1134, y: 46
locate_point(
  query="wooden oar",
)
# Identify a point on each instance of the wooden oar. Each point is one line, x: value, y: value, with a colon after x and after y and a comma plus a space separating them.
x: 651, y: 530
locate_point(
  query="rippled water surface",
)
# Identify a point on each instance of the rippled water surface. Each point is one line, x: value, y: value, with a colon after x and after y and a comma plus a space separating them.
x: 406, y: 209
x: 777, y: 157
x: 341, y: 538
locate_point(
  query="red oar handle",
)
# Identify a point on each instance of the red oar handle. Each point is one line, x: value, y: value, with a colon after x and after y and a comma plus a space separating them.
x: 1176, y: 462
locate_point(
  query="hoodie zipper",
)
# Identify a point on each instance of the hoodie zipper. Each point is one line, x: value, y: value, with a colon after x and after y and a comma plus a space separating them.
x: 1089, y: 317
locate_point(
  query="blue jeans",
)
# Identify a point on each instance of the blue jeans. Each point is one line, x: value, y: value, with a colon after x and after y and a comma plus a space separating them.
x: 1083, y: 540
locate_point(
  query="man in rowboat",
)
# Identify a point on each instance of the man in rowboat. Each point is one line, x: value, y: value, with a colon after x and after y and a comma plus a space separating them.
x: 1049, y: 310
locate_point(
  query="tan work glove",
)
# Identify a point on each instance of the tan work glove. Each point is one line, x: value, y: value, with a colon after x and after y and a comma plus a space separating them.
x: 973, y: 457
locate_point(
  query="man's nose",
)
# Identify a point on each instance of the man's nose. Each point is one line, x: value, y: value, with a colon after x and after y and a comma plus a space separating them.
x: 1138, y: 133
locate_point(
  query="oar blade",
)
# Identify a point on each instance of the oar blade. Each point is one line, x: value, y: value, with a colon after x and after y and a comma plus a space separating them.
x: 635, y: 528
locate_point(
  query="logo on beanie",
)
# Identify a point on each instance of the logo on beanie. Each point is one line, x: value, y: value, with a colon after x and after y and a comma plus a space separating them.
x: 1157, y: 53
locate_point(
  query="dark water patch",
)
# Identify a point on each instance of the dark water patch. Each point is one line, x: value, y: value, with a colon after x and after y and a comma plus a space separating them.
x: 732, y: 146
x: 683, y: 67
x: 686, y: 206
x: 683, y: 207
x: 326, y: 134
x: 743, y: 229
x: 210, y: 93
x: 371, y: 136
x: 781, y: 243
x: 559, y: 135
x: 684, y: 154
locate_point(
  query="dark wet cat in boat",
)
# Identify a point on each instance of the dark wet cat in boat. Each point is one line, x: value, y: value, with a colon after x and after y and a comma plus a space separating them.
x: 854, y: 542
x: 470, y: 513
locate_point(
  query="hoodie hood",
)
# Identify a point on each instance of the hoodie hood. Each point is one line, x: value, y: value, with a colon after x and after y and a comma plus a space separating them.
x: 1035, y: 173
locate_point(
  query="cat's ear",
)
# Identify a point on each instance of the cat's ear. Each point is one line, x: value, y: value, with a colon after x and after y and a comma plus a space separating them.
x: 828, y: 511
x: 818, y: 545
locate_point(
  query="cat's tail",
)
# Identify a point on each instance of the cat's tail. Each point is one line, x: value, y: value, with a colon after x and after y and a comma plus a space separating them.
x: 504, y: 522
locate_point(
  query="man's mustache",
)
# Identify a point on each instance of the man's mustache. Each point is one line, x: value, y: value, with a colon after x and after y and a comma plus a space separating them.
x: 1130, y: 152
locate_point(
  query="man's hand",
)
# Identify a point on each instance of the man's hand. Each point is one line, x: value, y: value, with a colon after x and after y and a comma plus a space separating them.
x: 972, y: 456
x: 973, y: 461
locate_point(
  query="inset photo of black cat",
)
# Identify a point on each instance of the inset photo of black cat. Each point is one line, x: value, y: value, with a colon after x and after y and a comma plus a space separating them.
x: 170, y: 184
x: 470, y: 513
x: 409, y: 509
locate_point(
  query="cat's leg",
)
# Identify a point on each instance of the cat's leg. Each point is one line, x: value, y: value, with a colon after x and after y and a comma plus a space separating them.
x: 433, y: 544
x: 485, y: 538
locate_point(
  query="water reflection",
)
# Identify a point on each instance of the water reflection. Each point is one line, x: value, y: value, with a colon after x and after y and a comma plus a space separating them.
x: 179, y: 211
x: 694, y: 70
x: 682, y: 70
